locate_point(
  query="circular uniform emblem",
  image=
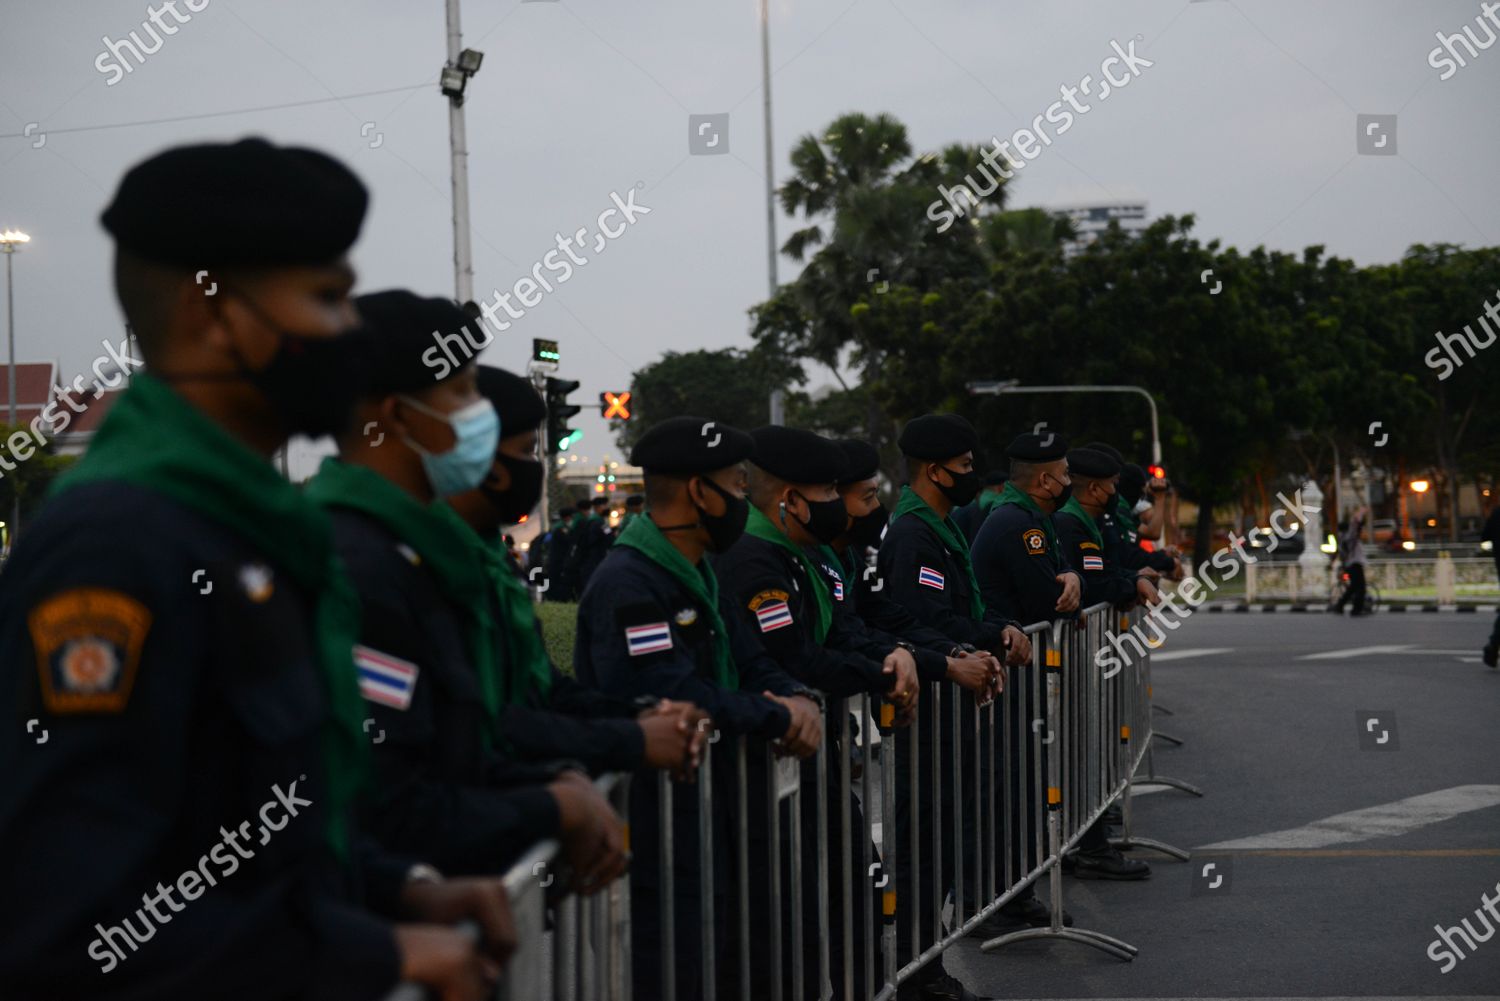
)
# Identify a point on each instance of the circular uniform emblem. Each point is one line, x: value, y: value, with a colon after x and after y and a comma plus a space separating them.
x: 89, y: 666
x: 1035, y: 541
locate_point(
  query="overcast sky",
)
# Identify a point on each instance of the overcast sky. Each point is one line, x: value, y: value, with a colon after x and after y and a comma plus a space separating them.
x: 1246, y: 118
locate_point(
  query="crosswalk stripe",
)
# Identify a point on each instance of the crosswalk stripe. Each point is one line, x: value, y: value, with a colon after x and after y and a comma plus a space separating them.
x: 1157, y: 658
x: 1383, y: 821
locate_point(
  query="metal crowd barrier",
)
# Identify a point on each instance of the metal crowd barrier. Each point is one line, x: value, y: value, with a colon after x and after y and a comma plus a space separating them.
x: 856, y: 892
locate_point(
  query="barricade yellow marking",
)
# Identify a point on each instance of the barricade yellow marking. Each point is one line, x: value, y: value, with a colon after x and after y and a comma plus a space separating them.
x: 1054, y: 658
x: 888, y: 903
x: 1054, y: 795
x: 1124, y: 734
x: 887, y: 714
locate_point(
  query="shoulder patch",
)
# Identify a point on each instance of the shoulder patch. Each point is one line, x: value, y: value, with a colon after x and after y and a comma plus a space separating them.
x: 1087, y: 544
x: 387, y: 680
x: 1035, y: 541
x: 88, y: 645
x: 929, y: 577
x: 771, y: 610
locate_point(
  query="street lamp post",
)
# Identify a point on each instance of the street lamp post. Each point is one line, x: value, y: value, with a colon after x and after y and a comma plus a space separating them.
x: 462, y: 64
x: 8, y: 241
x: 765, y: 84
x: 1009, y: 386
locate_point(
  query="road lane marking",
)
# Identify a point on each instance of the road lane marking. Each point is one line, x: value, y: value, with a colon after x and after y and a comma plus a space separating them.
x: 1362, y: 651
x: 1384, y: 821
x: 1157, y: 658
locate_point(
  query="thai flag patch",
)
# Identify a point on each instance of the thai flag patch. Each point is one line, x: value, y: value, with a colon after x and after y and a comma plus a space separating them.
x: 838, y: 590
x: 1093, y: 562
x: 930, y: 577
x: 652, y: 638
x: 773, y: 615
x: 388, y: 680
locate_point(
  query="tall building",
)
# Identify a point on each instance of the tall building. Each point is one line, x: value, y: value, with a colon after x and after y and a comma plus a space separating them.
x: 1094, y: 218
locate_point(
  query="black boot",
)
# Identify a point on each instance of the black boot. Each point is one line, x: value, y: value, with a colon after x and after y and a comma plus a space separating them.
x: 1108, y: 864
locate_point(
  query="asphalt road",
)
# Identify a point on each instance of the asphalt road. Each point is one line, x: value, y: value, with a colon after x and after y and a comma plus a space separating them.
x: 1277, y: 734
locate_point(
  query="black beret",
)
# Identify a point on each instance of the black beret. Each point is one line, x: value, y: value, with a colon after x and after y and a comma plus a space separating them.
x: 1031, y: 447
x: 690, y: 445
x: 797, y: 455
x: 403, y: 330
x: 635, y: 499
x: 1132, y: 481
x: 1092, y: 463
x: 520, y: 406
x: 563, y: 512
x: 861, y: 460
x: 1109, y: 450
x: 936, y: 437
x: 244, y: 204
x: 995, y: 477
x: 599, y: 499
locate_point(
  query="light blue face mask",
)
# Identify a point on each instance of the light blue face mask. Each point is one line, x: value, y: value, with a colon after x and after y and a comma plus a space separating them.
x: 476, y: 430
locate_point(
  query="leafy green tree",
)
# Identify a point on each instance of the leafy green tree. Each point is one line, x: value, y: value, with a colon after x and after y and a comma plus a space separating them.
x: 31, y: 477
x: 728, y: 385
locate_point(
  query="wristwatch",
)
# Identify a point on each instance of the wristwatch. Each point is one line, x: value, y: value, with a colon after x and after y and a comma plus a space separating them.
x: 423, y: 873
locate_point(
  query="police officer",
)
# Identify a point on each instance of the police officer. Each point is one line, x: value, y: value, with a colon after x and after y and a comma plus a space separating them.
x: 635, y: 504
x: 925, y: 564
x: 545, y: 714
x: 177, y: 626
x: 1120, y: 524
x: 559, y: 553
x: 592, y: 539
x: 1079, y: 533
x: 777, y: 590
x: 654, y: 622
x: 970, y: 516
x: 427, y: 649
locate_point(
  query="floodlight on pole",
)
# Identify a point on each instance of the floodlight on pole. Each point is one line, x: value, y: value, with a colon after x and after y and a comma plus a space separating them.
x: 9, y: 240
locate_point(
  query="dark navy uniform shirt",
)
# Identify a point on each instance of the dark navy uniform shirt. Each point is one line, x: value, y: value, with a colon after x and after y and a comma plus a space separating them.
x: 1103, y: 578
x: 1017, y: 564
x: 920, y: 574
x: 440, y: 790
x: 173, y: 679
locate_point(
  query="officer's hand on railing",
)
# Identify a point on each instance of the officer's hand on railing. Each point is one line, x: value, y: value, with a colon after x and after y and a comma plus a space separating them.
x: 1017, y: 646
x: 1177, y: 568
x: 673, y: 740
x: 445, y: 961
x: 1146, y: 592
x: 902, y: 666
x: 974, y: 673
x: 481, y: 901
x: 1072, y: 590
x: 805, y: 731
x: 593, y: 840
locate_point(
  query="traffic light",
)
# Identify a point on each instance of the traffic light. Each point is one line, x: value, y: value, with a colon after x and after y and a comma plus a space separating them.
x: 615, y: 406
x: 544, y: 351
x: 1157, y: 472
x: 559, y: 412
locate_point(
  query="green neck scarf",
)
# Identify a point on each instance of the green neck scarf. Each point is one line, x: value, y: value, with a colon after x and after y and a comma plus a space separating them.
x: 643, y: 535
x: 1076, y: 510
x: 988, y: 501
x: 762, y: 527
x: 155, y: 439
x: 527, y: 669
x: 948, y: 534
x: 1015, y: 495
x: 1125, y: 511
x: 441, y: 539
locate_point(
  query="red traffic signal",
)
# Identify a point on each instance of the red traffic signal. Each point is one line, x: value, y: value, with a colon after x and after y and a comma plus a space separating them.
x: 615, y: 406
x: 1157, y: 472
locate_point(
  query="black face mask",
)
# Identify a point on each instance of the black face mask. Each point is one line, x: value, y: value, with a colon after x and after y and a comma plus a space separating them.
x: 523, y: 493
x: 1061, y: 498
x: 311, y: 382
x: 826, y: 520
x: 724, y: 530
x: 965, y: 488
x: 867, y: 528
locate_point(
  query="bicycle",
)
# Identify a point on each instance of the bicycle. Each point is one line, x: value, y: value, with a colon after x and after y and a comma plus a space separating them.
x: 1372, y: 593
